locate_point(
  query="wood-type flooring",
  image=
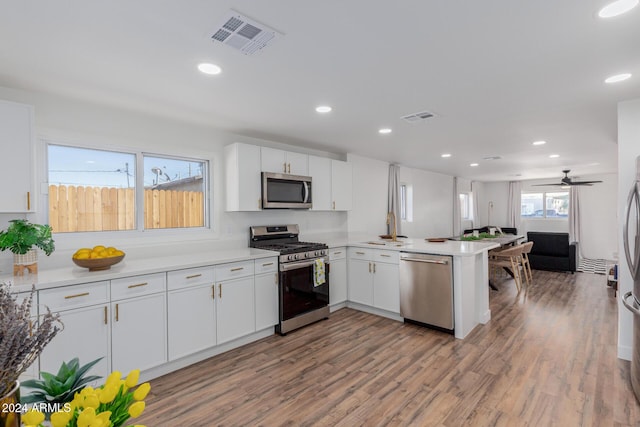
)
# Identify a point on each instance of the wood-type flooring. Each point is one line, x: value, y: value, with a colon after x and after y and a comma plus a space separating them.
x: 546, y: 358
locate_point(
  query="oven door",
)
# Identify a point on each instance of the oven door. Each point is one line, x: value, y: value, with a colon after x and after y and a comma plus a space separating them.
x: 298, y: 292
x: 282, y: 191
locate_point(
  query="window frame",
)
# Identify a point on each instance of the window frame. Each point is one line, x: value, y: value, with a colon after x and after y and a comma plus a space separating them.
x: 544, y: 206
x: 139, y: 155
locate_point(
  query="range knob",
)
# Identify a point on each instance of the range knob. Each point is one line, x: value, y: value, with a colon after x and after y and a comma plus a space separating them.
x: 295, y: 256
x: 316, y: 253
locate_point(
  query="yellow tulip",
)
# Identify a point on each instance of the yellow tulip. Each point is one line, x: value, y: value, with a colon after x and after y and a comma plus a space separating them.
x: 104, y: 417
x: 108, y: 393
x: 86, y: 417
x: 91, y: 401
x: 132, y: 378
x: 34, y: 417
x: 60, y: 419
x: 113, y: 378
x: 135, y: 409
x: 142, y: 391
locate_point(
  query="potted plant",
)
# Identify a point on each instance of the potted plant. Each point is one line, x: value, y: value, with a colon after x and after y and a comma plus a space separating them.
x: 21, y: 342
x: 22, y: 238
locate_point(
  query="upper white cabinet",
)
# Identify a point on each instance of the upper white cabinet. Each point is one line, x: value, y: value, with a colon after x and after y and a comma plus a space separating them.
x: 243, y: 177
x: 16, y: 135
x: 320, y: 173
x: 280, y: 161
x: 331, y: 185
x: 341, y: 185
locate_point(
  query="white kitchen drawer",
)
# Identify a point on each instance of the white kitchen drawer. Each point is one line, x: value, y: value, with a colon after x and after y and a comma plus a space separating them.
x: 360, y: 253
x: 337, y: 253
x: 137, y: 286
x: 392, y: 257
x: 266, y: 265
x: 233, y: 270
x: 180, y: 279
x: 68, y: 297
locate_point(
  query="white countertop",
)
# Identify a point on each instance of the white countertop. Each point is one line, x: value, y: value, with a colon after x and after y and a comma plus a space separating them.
x: 71, y: 275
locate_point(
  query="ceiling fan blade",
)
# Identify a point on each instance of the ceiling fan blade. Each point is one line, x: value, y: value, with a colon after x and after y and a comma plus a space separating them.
x: 584, y: 182
x: 546, y: 185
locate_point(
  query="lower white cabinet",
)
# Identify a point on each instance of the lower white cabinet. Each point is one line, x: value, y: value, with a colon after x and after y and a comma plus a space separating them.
x: 266, y: 293
x: 191, y: 320
x: 139, y: 326
x: 84, y: 311
x: 337, y: 275
x: 235, y: 300
x: 374, y: 278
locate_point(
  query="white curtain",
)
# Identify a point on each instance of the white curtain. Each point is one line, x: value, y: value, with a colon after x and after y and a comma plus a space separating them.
x: 394, y: 197
x: 574, y: 216
x: 514, y: 204
x: 457, y: 216
x: 474, y: 205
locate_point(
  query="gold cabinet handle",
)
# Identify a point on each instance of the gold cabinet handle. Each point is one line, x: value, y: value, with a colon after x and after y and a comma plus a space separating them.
x: 84, y: 294
x: 105, y: 314
x: 117, y: 312
x: 337, y: 253
x: 289, y: 168
x: 237, y: 269
x: 284, y: 167
x: 369, y: 267
x: 275, y: 279
x: 374, y: 268
x: 266, y: 264
x: 334, y: 205
x: 385, y: 255
x: 360, y: 253
x: 193, y: 276
x: 220, y: 290
x: 138, y: 285
x: 213, y: 291
x: 259, y: 203
x: 28, y: 200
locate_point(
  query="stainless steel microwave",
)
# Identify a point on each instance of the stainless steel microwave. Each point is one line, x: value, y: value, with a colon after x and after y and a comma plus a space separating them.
x: 284, y: 191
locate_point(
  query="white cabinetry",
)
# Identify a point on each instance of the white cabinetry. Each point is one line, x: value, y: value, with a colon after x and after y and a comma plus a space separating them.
x: 139, y: 329
x: 266, y: 299
x: 84, y: 311
x: 337, y: 276
x: 16, y: 138
x: 243, y: 179
x: 341, y: 185
x: 235, y: 300
x: 191, y: 310
x: 374, y: 278
x: 280, y: 161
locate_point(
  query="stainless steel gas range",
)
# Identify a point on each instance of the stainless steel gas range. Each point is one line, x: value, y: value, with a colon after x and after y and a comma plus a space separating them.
x: 303, y: 271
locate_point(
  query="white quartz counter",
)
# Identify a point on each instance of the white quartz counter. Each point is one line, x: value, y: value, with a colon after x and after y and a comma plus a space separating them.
x: 71, y: 275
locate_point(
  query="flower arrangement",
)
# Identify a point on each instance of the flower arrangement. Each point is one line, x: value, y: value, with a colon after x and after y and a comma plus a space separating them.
x: 21, y: 339
x: 110, y: 405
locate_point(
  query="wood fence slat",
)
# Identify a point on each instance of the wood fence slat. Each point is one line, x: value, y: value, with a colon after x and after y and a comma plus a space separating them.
x: 130, y: 220
x: 156, y: 209
x: 72, y: 211
x: 53, y: 207
x: 63, y: 207
x: 96, y: 208
x: 83, y: 215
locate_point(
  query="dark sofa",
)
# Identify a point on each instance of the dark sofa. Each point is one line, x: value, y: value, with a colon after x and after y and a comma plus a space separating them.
x: 552, y: 251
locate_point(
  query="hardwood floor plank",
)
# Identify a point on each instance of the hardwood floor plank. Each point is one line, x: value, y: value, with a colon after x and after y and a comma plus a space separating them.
x: 547, y: 357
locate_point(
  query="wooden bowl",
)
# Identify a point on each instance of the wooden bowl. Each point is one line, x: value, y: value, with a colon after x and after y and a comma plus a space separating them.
x: 97, y: 264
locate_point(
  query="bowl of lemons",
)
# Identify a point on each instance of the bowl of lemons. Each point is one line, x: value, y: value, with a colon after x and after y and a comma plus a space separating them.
x: 97, y: 258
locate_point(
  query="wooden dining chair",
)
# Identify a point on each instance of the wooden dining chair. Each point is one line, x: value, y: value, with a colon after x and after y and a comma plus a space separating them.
x: 509, y: 258
x: 526, y: 266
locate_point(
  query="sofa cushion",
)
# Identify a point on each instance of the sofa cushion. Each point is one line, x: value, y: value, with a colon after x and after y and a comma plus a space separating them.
x: 549, y: 244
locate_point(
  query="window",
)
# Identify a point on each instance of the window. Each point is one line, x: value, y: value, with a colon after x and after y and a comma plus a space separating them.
x: 545, y: 205
x: 99, y: 190
x: 406, y: 202
x: 465, y: 206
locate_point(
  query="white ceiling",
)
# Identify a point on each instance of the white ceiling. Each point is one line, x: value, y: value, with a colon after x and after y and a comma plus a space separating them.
x: 499, y: 74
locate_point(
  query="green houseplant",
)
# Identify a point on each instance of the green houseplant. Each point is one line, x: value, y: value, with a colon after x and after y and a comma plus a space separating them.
x: 22, y: 238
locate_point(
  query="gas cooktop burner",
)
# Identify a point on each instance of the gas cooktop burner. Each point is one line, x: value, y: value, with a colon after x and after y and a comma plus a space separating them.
x: 284, y: 239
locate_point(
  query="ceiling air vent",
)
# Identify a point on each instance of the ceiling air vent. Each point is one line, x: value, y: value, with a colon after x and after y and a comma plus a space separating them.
x: 416, y: 117
x: 244, y: 34
x: 492, y: 158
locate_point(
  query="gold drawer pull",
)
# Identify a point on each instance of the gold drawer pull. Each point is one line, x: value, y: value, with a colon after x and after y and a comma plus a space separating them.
x: 220, y: 290
x: 360, y: 253
x: 337, y: 253
x: 138, y: 285
x: 386, y: 256
x: 267, y: 264
x: 84, y: 294
x: 237, y: 269
x: 105, y: 315
x: 193, y: 276
x: 117, y: 312
x: 213, y: 291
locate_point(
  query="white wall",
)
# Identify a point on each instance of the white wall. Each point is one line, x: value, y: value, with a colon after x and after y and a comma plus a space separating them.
x: 432, y: 203
x: 370, y: 192
x: 492, y: 204
x: 628, y: 150
x: 66, y: 120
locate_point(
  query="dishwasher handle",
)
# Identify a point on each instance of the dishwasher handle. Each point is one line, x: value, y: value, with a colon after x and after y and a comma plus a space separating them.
x: 428, y: 261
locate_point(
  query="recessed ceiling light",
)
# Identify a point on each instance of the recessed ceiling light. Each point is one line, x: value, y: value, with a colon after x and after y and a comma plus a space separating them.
x: 323, y: 109
x: 384, y: 131
x: 554, y: 156
x: 209, y: 68
x: 618, y: 78
x: 616, y: 8
x: 539, y: 142
x: 445, y: 155
x: 473, y: 165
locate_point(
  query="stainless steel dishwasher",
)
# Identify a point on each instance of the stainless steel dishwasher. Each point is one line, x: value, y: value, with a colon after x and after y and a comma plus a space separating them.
x: 426, y: 290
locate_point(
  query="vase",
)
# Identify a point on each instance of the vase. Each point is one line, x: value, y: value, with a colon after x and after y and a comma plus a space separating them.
x: 10, y: 408
x: 28, y: 261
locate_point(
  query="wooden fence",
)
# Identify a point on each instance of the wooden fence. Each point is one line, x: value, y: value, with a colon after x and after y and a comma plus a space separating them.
x: 106, y: 209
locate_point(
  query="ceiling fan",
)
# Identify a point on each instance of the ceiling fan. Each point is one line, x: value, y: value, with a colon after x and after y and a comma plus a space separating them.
x: 566, y: 181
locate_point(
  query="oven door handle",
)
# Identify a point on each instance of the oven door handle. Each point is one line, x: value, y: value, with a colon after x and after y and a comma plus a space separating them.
x: 301, y: 264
